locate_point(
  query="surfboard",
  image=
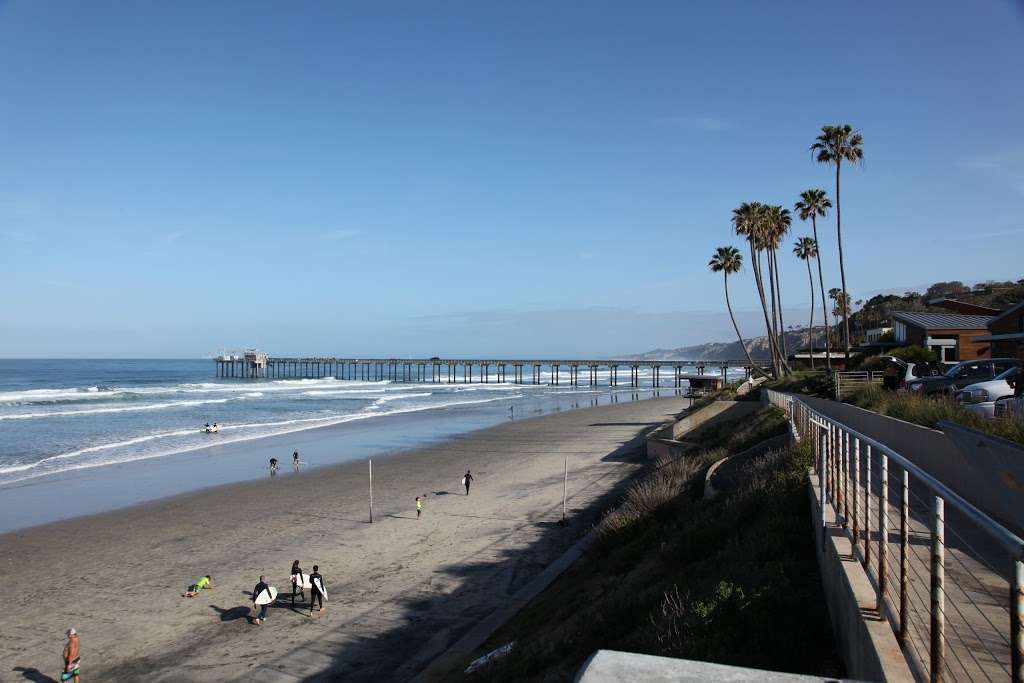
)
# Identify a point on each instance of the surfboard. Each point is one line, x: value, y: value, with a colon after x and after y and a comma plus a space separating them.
x: 266, y: 596
x: 320, y: 587
x: 302, y: 581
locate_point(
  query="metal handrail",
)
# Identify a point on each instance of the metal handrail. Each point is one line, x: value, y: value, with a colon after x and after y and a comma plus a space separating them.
x: 838, y: 450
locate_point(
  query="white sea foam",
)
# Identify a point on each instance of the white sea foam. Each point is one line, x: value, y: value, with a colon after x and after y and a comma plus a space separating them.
x: 120, y: 409
x: 65, y: 462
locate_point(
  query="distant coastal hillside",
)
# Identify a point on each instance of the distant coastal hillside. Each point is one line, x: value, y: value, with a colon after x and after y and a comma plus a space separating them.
x: 758, y: 347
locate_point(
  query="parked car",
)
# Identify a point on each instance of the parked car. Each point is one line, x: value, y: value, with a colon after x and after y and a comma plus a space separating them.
x: 981, y: 397
x: 963, y: 374
x: 907, y: 372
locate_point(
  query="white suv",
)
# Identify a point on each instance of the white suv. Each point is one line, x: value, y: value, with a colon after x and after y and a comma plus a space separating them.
x: 981, y: 397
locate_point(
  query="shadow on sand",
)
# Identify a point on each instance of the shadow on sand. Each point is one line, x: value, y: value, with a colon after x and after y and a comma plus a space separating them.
x: 34, y: 675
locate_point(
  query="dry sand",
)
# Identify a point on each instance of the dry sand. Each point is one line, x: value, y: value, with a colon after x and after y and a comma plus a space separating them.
x: 402, y: 590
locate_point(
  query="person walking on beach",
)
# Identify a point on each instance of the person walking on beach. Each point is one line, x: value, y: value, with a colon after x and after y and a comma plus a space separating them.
x: 419, y: 507
x: 295, y: 459
x: 467, y: 480
x: 72, y: 657
x: 315, y: 594
x: 298, y: 582
x: 260, y: 587
x: 199, y: 585
x: 273, y: 466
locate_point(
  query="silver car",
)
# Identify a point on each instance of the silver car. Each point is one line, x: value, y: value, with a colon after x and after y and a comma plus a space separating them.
x: 981, y: 397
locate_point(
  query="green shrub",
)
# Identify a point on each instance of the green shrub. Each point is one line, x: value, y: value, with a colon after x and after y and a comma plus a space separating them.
x: 808, y: 382
x: 913, y: 354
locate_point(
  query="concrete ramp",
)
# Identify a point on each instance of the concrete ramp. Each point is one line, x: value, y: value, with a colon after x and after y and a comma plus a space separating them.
x: 991, y: 469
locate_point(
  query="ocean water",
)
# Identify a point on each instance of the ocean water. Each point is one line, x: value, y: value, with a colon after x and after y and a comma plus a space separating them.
x: 58, y: 416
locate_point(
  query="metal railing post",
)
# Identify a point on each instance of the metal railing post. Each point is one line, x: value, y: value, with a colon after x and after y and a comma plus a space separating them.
x: 856, y: 492
x: 1016, y: 618
x: 823, y: 446
x: 867, y: 506
x: 844, y: 445
x: 904, y: 555
x: 938, y: 630
x: 883, y: 536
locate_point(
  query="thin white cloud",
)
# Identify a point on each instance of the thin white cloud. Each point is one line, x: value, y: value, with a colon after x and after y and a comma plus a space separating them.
x: 586, y: 255
x: 1000, y: 233
x: 1006, y: 166
x: 172, y: 237
x: 708, y: 124
x: 342, y: 234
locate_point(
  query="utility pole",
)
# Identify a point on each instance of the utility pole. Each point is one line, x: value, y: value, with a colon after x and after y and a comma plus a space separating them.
x: 565, y: 484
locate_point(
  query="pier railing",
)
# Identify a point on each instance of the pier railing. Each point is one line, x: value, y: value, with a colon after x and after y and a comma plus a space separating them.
x: 255, y: 365
x: 948, y: 578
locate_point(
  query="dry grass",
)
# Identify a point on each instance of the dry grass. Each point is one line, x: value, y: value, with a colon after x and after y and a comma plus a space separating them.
x: 928, y: 411
x: 731, y: 580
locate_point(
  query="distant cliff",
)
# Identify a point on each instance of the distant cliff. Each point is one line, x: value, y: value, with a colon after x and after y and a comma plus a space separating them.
x: 757, y: 346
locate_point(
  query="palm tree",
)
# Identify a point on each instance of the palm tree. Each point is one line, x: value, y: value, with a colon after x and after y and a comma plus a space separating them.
x: 729, y: 260
x: 814, y: 203
x: 805, y: 249
x: 835, y: 145
x: 777, y: 223
x: 747, y: 220
x: 841, y: 307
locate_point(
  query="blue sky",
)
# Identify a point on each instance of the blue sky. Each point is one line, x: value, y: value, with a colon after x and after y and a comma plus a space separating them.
x: 479, y: 178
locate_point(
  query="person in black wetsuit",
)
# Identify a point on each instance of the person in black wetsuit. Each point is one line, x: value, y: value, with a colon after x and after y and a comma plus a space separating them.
x: 467, y: 480
x: 260, y: 587
x: 295, y: 460
x: 273, y: 466
x: 297, y: 582
x: 314, y: 592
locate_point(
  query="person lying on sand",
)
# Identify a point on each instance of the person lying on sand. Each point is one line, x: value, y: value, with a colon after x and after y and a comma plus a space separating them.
x: 199, y: 585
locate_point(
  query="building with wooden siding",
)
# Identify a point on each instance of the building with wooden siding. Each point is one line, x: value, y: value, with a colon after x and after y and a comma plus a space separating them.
x: 1005, y: 333
x: 950, y: 335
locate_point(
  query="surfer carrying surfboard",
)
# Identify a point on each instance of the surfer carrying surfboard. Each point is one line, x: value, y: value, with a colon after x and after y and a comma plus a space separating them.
x: 467, y: 480
x: 317, y: 591
x: 257, y: 592
x: 295, y: 460
x: 298, y: 582
x: 273, y: 467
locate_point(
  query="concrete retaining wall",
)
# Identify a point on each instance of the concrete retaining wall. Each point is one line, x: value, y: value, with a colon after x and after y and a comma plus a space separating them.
x: 865, y: 639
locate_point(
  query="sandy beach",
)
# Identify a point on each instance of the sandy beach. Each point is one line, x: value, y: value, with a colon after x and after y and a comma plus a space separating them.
x: 402, y: 590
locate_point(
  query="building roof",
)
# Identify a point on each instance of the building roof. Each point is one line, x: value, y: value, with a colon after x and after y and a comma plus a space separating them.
x: 943, y: 321
x: 1008, y: 311
x: 964, y: 307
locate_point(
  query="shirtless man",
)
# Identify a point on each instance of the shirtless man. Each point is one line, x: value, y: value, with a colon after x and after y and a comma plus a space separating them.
x: 71, y: 657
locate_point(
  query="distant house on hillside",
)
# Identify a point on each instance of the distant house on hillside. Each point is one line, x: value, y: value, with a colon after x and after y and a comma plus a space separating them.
x: 949, y: 335
x: 1005, y: 333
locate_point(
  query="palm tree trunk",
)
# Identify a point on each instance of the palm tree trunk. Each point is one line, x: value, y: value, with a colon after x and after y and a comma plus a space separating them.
x: 756, y: 265
x: 821, y: 284
x: 736, y: 327
x: 810, y: 324
x: 774, y: 332
x: 778, y: 293
x: 842, y: 270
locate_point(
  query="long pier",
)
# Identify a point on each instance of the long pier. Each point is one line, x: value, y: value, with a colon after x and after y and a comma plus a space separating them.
x: 256, y: 365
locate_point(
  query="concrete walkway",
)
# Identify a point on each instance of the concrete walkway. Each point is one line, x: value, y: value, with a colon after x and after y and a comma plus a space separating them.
x: 977, y: 569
